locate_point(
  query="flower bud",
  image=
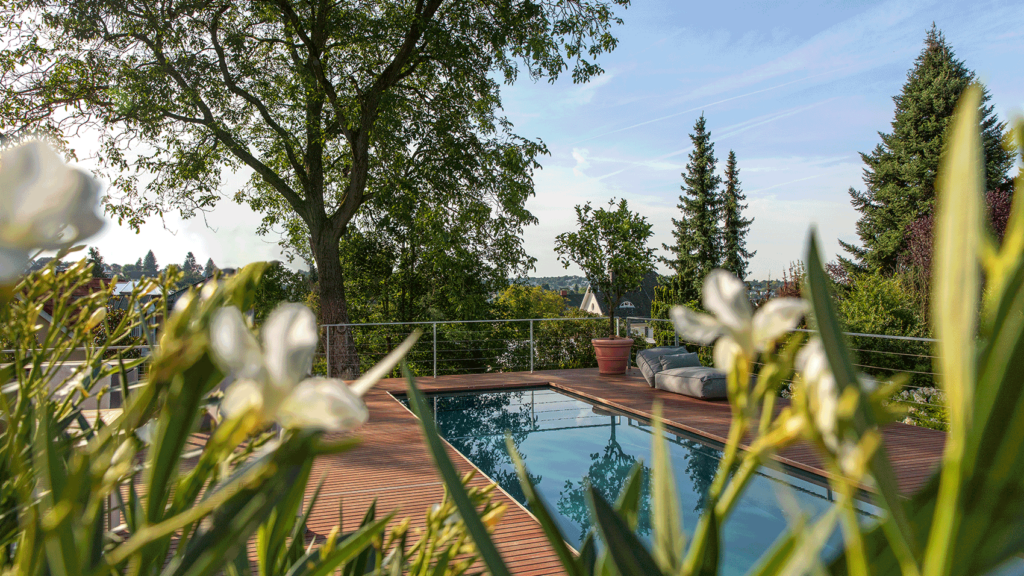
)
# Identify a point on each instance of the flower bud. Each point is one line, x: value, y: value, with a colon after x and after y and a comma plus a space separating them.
x: 98, y: 316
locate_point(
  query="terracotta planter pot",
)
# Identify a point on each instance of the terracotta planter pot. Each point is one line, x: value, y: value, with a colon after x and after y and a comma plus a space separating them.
x: 612, y: 354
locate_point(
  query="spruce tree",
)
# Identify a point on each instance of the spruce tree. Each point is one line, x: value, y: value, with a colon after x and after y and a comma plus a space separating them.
x: 900, y: 172
x: 150, y: 269
x: 697, y: 248
x: 210, y: 268
x: 734, y: 226
x: 97, y: 263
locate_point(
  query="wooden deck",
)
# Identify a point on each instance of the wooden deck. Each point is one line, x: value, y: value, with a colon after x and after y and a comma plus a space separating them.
x: 393, y: 466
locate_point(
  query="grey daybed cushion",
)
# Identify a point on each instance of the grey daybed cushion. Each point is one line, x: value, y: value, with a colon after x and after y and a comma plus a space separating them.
x: 649, y: 361
x: 670, y: 361
x: 696, y: 382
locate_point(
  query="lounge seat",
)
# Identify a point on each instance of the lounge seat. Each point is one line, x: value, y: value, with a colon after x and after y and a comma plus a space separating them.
x: 649, y: 361
x: 694, y: 381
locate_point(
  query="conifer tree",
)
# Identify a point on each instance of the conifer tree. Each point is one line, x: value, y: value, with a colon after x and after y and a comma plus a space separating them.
x: 697, y: 248
x: 210, y: 268
x: 97, y: 263
x: 193, y: 271
x: 150, y: 269
x: 899, y: 176
x: 734, y: 226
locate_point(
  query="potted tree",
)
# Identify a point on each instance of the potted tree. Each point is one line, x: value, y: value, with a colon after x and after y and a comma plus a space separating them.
x: 610, y: 247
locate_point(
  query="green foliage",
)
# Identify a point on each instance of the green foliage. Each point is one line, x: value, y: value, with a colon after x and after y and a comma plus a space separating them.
x: 128, y: 492
x: 337, y: 109
x: 150, y: 268
x: 967, y: 520
x: 735, y: 227
x: 278, y: 284
x: 698, y: 247
x: 97, y: 263
x: 435, y: 253
x: 610, y: 246
x: 900, y: 173
x: 887, y: 305
x: 191, y: 270
x: 518, y: 301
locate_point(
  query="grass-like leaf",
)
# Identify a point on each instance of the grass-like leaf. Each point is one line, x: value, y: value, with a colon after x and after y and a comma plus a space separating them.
x: 349, y: 547
x: 627, y: 552
x: 669, y: 540
x: 628, y: 503
x: 540, y: 510
x: 956, y: 290
x: 477, y: 531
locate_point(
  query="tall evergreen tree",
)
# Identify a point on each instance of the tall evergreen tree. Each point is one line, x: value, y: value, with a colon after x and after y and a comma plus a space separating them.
x: 192, y: 270
x: 210, y: 268
x: 734, y: 226
x: 97, y: 263
x: 697, y: 248
x: 149, y: 266
x: 899, y: 175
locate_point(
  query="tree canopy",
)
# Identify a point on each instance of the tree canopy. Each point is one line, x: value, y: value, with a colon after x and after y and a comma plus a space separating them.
x: 610, y: 246
x: 328, y: 104
x: 899, y: 174
x: 735, y: 227
x: 697, y: 248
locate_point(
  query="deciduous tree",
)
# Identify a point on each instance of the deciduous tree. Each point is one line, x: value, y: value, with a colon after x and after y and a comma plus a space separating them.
x: 610, y: 246
x: 325, y: 103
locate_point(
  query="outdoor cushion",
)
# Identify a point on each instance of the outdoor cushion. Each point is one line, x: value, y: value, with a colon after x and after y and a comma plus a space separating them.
x: 697, y: 382
x: 649, y: 363
x: 670, y: 361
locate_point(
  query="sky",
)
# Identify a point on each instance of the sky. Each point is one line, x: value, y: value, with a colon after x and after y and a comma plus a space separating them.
x: 797, y: 89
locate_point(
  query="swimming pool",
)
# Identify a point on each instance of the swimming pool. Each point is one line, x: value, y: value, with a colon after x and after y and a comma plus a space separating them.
x: 567, y: 443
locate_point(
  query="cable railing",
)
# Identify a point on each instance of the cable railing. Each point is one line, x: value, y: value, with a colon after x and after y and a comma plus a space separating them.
x: 531, y: 344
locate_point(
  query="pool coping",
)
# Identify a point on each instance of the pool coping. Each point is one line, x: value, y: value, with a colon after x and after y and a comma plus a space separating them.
x: 781, y: 465
x: 914, y: 462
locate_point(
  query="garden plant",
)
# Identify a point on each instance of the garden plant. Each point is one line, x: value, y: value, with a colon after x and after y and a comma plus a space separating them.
x: 966, y: 520
x: 212, y: 452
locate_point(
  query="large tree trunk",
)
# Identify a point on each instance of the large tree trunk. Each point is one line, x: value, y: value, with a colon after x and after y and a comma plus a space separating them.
x: 339, y: 341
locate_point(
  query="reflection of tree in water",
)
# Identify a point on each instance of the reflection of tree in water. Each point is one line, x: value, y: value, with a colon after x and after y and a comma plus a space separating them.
x: 701, y: 465
x: 475, y: 425
x: 608, y: 472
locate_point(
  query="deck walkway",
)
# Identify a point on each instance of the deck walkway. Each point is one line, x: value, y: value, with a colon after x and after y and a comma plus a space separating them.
x: 393, y: 465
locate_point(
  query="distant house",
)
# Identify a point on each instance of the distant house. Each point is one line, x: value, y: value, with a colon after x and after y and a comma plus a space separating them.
x: 635, y: 304
x: 46, y: 321
x: 573, y: 300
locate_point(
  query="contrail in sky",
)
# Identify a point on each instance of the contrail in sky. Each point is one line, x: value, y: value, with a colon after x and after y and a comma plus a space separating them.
x: 705, y: 106
x: 727, y: 132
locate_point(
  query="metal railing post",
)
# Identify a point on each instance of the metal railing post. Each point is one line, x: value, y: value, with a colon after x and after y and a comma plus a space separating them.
x: 435, y: 349
x: 616, y: 326
x: 531, y: 346
x: 327, y: 351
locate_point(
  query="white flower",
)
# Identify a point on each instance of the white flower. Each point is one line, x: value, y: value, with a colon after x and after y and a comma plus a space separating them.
x: 44, y: 205
x: 146, y: 432
x: 735, y: 329
x: 822, y: 390
x: 273, y: 380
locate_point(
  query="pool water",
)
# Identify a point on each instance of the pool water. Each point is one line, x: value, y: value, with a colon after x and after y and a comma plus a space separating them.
x: 567, y: 443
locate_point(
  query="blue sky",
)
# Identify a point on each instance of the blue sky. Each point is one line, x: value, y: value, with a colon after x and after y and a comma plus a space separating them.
x: 797, y: 89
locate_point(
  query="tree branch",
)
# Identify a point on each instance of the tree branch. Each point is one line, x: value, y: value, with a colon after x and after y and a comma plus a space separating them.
x: 228, y: 139
x: 233, y: 86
